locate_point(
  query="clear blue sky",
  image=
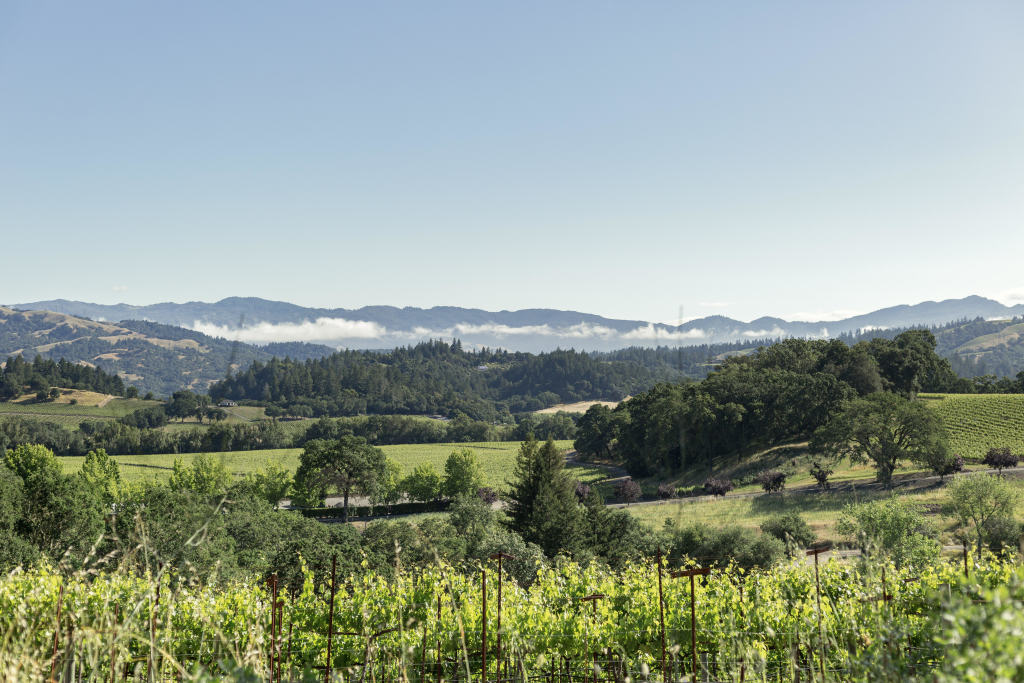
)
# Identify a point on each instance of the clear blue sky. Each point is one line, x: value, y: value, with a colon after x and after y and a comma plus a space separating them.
x: 621, y: 158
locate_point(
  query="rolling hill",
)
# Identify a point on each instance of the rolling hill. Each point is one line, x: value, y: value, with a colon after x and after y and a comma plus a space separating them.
x: 153, y: 357
x: 261, y: 321
x: 163, y: 357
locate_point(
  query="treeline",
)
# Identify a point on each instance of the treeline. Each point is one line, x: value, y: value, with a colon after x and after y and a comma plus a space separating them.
x: 19, y: 377
x: 139, y: 432
x: 433, y: 378
x: 381, y: 430
x: 119, y: 438
x: 780, y: 392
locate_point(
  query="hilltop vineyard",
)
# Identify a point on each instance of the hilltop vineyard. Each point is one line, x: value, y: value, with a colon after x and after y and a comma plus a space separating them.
x: 975, y: 423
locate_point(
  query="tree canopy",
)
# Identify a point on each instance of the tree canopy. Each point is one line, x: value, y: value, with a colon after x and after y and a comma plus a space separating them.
x: 346, y: 465
x: 883, y: 429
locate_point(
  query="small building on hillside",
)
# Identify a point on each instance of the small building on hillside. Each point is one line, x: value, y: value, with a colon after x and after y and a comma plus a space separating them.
x: 227, y: 403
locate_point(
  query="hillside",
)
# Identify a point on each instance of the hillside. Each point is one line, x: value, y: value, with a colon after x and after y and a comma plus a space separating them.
x: 977, y: 422
x: 260, y: 321
x: 151, y: 356
x: 434, y: 378
x: 985, y: 347
x: 164, y: 358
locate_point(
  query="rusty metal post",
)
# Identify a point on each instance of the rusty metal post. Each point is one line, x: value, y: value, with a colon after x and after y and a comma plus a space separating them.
x: 499, y: 557
x: 692, y: 573
x: 113, y: 644
x: 423, y: 655
x: 886, y: 597
x: 499, y: 615
x: 273, y: 622
x: 438, y: 638
x: 743, y: 618
x: 153, y: 657
x: 483, y: 627
x: 330, y: 621
x: 693, y: 626
x: 288, y: 656
x: 661, y: 617
x: 592, y: 599
x: 817, y: 584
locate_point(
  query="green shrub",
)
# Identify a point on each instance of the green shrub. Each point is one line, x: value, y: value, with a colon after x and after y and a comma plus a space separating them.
x: 1002, y: 534
x: 791, y: 529
x: 893, y: 527
x: 719, y: 547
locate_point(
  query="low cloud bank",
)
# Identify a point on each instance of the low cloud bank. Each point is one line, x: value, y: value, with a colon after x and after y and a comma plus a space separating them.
x: 579, y: 331
x: 327, y: 330
x: 649, y: 332
x: 319, y: 330
x: 765, y: 334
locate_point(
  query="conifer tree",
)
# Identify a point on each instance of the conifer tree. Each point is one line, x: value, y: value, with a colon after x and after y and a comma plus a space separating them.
x: 543, y: 505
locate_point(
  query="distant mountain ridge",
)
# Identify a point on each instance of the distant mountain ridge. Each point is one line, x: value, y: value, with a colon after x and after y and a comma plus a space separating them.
x: 261, y: 321
x: 163, y: 358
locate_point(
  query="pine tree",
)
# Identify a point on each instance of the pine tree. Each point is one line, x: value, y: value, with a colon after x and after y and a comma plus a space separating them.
x: 543, y: 505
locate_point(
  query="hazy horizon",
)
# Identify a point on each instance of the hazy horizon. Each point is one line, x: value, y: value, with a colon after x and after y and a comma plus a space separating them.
x: 1010, y: 300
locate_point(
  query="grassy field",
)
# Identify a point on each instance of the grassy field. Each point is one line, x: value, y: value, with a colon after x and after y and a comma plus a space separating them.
x: 579, y: 407
x: 820, y: 510
x: 496, y: 458
x: 793, y: 458
x: 977, y: 422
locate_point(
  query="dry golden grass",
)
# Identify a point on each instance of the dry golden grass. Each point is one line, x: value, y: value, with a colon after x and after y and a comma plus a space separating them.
x: 579, y: 407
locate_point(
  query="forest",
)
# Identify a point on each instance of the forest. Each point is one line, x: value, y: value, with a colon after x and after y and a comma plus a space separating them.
x: 435, y: 377
x: 783, y: 391
x: 19, y: 376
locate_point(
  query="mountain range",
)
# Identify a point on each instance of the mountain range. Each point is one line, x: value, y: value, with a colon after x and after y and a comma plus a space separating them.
x: 166, y: 347
x: 259, y: 321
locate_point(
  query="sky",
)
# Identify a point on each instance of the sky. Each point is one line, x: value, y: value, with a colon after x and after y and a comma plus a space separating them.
x: 805, y: 160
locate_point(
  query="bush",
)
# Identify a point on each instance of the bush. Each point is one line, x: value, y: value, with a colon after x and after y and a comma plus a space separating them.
x: 628, y: 491
x: 772, y: 481
x: 893, y: 527
x: 717, y: 487
x: 423, y: 484
x: 1002, y: 534
x: 1000, y: 459
x: 487, y: 495
x: 953, y: 465
x: 821, y: 473
x: 666, y: 491
x: 791, y: 529
x: 717, y: 547
x: 582, y: 491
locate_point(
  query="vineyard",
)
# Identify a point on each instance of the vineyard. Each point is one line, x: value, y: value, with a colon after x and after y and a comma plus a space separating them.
x: 866, y: 622
x: 977, y: 422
